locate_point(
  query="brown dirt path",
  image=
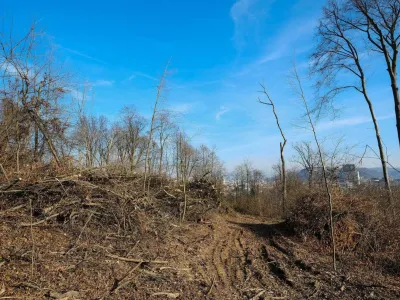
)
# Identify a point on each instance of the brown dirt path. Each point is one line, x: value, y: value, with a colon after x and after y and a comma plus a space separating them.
x: 226, y: 256
x: 230, y: 261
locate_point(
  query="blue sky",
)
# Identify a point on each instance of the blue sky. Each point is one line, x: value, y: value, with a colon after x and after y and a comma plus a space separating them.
x: 220, y: 51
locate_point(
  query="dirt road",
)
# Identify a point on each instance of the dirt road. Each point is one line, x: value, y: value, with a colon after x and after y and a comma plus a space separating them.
x: 225, y: 256
x: 241, y: 257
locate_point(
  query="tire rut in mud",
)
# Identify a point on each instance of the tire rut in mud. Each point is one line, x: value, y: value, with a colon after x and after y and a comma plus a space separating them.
x: 229, y: 260
x: 232, y: 267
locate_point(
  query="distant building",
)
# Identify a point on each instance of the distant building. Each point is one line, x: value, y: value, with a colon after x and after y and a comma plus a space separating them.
x: 349, y: 176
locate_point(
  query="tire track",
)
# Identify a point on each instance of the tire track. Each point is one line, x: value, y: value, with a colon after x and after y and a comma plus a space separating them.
x: 231, y: 266
x: 217, y: 261
x: 241, y: 271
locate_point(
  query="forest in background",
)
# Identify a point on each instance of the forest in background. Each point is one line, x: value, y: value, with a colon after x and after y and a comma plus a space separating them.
x: 51, y: 143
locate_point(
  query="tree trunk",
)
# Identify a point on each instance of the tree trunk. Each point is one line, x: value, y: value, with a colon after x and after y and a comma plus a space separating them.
x: 327, y: 188
x: 46, y: 136
x: 36, y: 145
x: 161, y: 160
x: 396, y: 97
x: 380, y: 146
x: 284, y: 192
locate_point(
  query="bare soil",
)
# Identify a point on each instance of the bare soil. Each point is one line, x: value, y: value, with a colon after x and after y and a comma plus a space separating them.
x: 222, y: 255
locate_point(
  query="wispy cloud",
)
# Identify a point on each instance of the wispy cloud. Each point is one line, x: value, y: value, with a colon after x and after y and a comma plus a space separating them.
x: 200, y: 84
x: 8, y: 69
x: 240, y: 13
x: 140, y: 74
x: 181, y: 107
x: 352, y: 121
x: 223, y: 110
x: 288, y: 39
x: 76, y: 94
x: 78, y: 53
x: 246, y: 14
x: 293, y: 38
x: 102, y: 82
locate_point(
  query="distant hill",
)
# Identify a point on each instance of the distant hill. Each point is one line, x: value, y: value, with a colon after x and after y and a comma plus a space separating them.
x: 369, y: 173
x: 366, y: 173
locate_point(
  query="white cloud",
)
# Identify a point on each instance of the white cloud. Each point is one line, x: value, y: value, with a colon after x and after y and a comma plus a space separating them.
x: 292, y: 39
x: 8, y: 69
x: 288, y: 39
x: 246, y: 15
x: 78, y: 53
x: 223, y: 110
x: 140, y: 74
x: 241, y: 10
x: 76, y: 94
x: 181, y: 107
x: 102, y: 82
x: 352, y: 121
x: 200, y: 84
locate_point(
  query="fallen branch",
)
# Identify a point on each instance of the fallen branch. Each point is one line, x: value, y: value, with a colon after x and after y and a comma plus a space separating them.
x: 12, y: 191
x: 59, y: 204
x: 169, y: 295
x: 12, y: 209
x: 80, y: 234
x: 136, y: 260
x: 4, y: 173
x: 211, y: 287
x: 100, y: 188
x: 118, y: 283
x: 65, y: 191
x: 172, y: 196
x: 175, y: 269
x: 258, y: 295
x: 39, y: 222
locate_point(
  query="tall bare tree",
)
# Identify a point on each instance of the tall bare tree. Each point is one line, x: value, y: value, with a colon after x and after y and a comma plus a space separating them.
x: 297, y: 86
x: 379, y: 21
x: 164, y: 128
x: 337, y: 53
x: 281, y: 145
x: 160, y: 88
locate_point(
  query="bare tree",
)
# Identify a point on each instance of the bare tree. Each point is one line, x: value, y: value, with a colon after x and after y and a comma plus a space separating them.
x: 186, y: 156
x: 160, y: 89
x: 338, y: 155
x: 379, y: 20
x: 106, y: 141
x: 336, y: 53
x: 281, y: 146
x: 208, y: 165
x: 307, y: 158
x: 257, y: 178
x: 298, y: 88
x: 164, y: 128
x: 335, y: 156
x: 86, y: 133
x: 132, y: 134
x: 33, y: 85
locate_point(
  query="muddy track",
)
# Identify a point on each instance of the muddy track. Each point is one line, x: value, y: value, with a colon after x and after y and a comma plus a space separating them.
x: 228, y: 261
x: 241, y: 257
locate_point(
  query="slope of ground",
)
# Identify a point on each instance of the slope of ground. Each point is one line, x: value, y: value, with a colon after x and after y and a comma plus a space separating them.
x: 223, y: 255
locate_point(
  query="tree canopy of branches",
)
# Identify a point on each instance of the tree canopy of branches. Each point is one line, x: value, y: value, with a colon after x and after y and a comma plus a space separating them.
x: 339, y: 51
x: 36, y: 129
x: 32, y: 123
